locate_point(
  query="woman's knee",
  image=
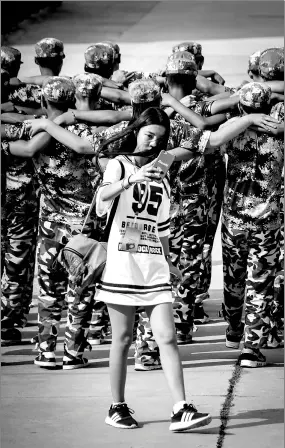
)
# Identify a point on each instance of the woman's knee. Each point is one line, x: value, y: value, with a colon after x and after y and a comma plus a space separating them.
x: 124, y: 340
x: 166, y: 337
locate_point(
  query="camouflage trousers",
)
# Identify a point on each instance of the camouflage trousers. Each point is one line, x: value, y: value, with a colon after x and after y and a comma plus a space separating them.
x: 55, y: 287
x: 146, y: 348
x: 249, y: 263
x: 195, y: 236
x: 277, y: 310
x: 18, y: 265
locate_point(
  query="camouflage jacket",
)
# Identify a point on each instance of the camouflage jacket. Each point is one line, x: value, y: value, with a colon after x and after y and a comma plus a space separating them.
x: 27, y: 96
x: 68, y: 180
x: 253, y: 185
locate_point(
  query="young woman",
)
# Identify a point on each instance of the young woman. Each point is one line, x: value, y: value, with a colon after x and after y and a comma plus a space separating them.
x: 138, y: 263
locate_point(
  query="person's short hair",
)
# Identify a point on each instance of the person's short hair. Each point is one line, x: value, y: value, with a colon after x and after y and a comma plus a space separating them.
x: 186, y: 82
x: 49, y: 62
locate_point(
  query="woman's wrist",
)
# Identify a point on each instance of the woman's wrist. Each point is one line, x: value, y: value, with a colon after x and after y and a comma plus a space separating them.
x: 131, y: 181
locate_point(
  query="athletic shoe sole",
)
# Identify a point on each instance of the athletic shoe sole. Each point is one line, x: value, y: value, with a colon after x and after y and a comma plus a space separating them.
x: 142, y: 368
x: 183, y: 426
x: 110, y: 422
x: 231, y: 344
x: 45, y: 363
x: 252, y: 364
x: 75, y: 366
x: 95, y: 341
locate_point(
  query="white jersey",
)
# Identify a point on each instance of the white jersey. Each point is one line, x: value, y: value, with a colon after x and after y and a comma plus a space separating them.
x: 142, y: 277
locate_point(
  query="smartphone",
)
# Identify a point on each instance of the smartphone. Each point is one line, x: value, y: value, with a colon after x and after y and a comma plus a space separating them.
x: 163, y: 162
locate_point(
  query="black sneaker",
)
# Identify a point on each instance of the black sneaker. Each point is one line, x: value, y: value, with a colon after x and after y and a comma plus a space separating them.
x: 200, y: 317
x: 183, y: 339
x: 188, y: 418
x: 119, y: 416
x: 250, y: 358
x: 71, y: 363
x: 95, y: 338
x: 234, y: 337
x: 45, y: 359
x: 10, y: 336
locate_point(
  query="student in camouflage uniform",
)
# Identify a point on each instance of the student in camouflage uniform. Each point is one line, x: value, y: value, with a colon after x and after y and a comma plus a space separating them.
x: 251, y: 230
x: 19, y: 220
x: 202, y: 200
x: 21, y: 96
x: 67, y: 182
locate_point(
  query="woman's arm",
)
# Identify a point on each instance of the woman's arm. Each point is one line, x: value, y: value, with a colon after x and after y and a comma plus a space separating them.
x: 78, y: 144
x: 227, y: 133
x: 13, y: 117
x: 116, y: 95
x: 209, y: 87
x: 22, y: 148
x: 97, y: 117
x: 146, y: 173
x: 195, y: 119
x: 215, y: 77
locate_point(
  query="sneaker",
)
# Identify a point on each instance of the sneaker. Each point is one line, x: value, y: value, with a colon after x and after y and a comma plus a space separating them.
x: 119, y: 416
x: 183, y: 339
x: 234, y: 337
x: 10, y: 336
x: 71, y: 363
x: 200, y: 317
x: 188, y: 418
x: 95, y: 338
x: 45, y: 359
x: 274, y: 341
x: 249, y: 358
x: 145, y: 367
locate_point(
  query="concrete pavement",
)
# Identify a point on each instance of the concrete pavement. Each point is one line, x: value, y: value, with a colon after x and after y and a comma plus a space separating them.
x: 67, y: 408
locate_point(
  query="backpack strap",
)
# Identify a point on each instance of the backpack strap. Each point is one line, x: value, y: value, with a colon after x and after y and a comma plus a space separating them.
x: 113, y: 209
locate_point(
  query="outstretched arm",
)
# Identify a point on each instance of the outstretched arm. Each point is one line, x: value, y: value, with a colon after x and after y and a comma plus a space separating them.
x: 116, y: 95
x: 97, y: 117
x: 227, y: 133
x: 78, y: 144
x: 192, y: 117
x: 22, y: 148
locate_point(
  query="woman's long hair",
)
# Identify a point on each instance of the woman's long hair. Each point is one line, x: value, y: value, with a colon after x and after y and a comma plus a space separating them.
x: 125, y: 142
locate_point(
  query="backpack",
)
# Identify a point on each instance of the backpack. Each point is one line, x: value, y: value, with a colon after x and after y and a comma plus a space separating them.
x: 84, y: 258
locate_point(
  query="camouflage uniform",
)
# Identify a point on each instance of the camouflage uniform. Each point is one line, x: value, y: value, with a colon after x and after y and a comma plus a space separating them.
x: 183, y: 135
x: 21, y: 210
x: 67, y: 182
x: 251, y: 225
x: 201, y: 185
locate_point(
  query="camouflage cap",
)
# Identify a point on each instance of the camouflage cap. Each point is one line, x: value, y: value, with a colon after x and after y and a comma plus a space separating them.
x: 9, y: 55
x: 144, y: 91
x: 255, y: 95
x: 191, y: 47
x: 58, y: 89
x: 115, y: 47
x: 99, y: 55
x: 49, y: 47
x: 253, y: 62
x: 88, y: 84
x: 181, y: 62
x: 271, y: 64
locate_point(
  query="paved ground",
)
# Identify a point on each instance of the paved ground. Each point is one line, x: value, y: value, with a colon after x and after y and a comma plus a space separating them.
x: 67, y: 409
